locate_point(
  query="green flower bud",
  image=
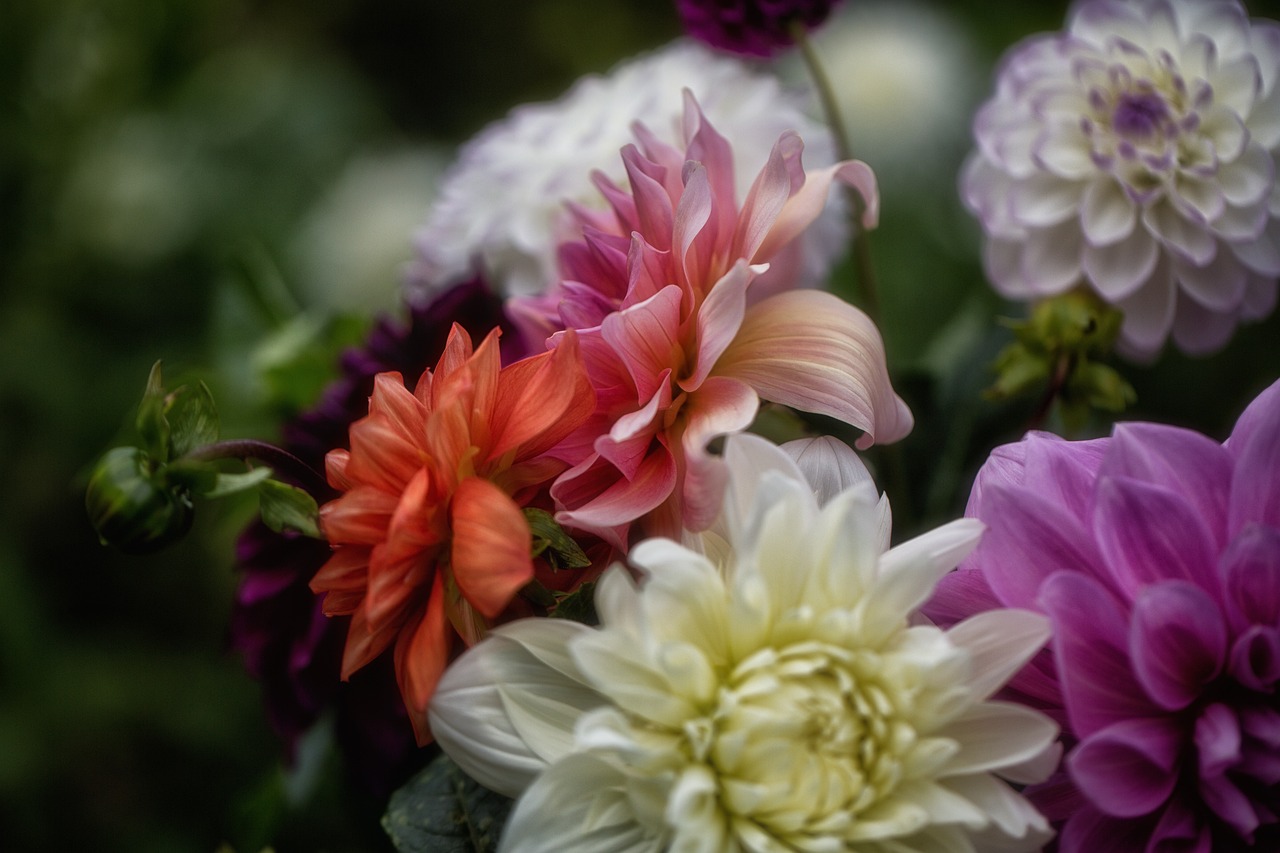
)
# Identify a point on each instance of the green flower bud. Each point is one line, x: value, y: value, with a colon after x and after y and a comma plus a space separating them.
x: 132, y: 507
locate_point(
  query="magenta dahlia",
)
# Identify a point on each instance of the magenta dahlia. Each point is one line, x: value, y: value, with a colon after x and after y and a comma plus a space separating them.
x: 1156, y: 555
x: 751, y: 27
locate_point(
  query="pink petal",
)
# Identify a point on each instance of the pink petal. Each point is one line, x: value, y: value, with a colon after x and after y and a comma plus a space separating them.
x: 720, y: 406
x: 1250, y: 572
x: 719, y: 320
x: 645, y: 338
x: 1254, y: 496
x: 811, y: 350
x: 596, y: 497
x: 807, y: 204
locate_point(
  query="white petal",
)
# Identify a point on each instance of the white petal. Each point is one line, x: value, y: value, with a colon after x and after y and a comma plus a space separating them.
x: 1064, y: 151
x: 1186, y: 239
x: 1198, y: 330
x: 1264, y: 120
x: 1106, y: 213
x: 1247, y: 179
x: 1042, y: 200
x: 1119, y: 269
x: 750, y: 458
x: 587, y: 794
x: 999, y: 643
x: 829, y: 465
x: 1051, y: 259
x: 1261, y: 255
x: 1011, y: 813
x: 1237, y: 83
x: 1259, y: 298
x: 994, y: 735
x: 1218, y: 285
x: 1148, y: 312
x: 508, y: 706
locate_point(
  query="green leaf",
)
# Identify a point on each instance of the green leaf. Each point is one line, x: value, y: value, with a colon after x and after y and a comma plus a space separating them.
x: 578, y: 606
x: 192, y: 417
x: 442, y: 810
x: 285, y: 507
x: 230, y: 484
x: 550, y: 540
x: 151, y: 423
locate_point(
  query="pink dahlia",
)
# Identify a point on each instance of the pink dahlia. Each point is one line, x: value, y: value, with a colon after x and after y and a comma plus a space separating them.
x: 1156, y: 555
x: 687, y: 313
x: 1136, y: 153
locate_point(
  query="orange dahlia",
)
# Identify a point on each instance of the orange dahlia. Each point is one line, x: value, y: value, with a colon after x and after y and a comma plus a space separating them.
x: 430, y: 538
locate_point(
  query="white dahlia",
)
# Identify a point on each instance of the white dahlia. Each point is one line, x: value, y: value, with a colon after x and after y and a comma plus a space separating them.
x: 1137, y: 152
x: 503, y: 204
x: 777, y: 694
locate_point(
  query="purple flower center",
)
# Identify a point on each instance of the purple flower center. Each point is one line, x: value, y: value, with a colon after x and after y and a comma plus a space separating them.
x: 1139, y: 114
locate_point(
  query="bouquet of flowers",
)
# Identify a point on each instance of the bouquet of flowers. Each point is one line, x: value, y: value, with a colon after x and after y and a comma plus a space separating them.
x: 593, y: 542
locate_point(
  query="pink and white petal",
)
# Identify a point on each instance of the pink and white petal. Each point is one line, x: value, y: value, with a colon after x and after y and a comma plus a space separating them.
x: 721, y: 406
x: 806, y: 205
x: 766, y: 199
x: 1107, y: 215
x: 719, y: 318
x: 692, y: 218
x: 646, y: 338
x: 596, y: 497
x: 654, y: 215
x: 811, y: 350
x: 491, y: 546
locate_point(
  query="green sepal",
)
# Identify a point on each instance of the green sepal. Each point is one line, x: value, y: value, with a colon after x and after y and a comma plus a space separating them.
x: 551, y: 542
x: 151, y: 423
x: 192, y: 417
x: 577, y: 606
x: 284, y: 507
x: 230, y: 484
x: 130, y: 504
x: 442, y: 810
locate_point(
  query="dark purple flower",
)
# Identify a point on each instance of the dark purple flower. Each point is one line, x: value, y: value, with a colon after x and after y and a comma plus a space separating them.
x: 277, y: 624
x: 751, y: 27
x: 1156, y: 555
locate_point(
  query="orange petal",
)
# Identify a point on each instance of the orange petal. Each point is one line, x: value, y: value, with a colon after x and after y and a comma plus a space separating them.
x: 344, y: 579
x: 422, y: 652
x: 541, y: 400
x: 491, y: 543
x: 359, y: 517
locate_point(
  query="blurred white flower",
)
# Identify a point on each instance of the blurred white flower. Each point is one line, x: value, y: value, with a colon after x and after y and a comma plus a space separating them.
x: 783, y: 696
x: 503, y: 203
x: 1137, y: 152
x: 905, y: 79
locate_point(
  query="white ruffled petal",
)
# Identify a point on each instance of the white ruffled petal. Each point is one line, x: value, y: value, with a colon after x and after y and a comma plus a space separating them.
x: 1119, y: 269
x: 1106, y: 213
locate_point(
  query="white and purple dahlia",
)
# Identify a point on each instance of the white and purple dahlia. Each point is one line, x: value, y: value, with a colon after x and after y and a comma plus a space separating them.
x: 1136, y: 152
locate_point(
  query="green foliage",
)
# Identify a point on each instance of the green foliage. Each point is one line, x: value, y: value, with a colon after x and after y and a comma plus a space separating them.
x: 578, y: 606
x: 441, y: 810
x: 286, y: 507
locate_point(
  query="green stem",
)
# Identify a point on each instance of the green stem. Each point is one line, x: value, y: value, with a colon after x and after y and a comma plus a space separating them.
x: 281, y: 461
x: 1061, y: 371
x: 864, y: 269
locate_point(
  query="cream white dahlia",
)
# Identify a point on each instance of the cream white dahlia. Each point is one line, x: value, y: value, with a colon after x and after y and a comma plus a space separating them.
x: 503, y: 204
x: 781, y: 694
x: 1137, y: 152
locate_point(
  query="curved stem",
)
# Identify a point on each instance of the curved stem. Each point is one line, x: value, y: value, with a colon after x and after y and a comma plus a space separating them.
x: 281, y: 461
x: 1061, y: 370
x: 864, y: 270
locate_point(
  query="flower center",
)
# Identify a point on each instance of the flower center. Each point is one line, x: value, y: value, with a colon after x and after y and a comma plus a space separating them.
x: 807, y: 738
x: 1138, y: 115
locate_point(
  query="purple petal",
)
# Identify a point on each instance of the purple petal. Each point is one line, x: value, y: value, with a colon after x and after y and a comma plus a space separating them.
x: 1181, y: 460
x: 1127, y: 770
x: 1255, y: 495
x: 1250, y: 572
x: 1029, y: 538
x: 1148, y: 534
x: 1255, y: 658
x: 1005, y: 466
x: 1177, y: 642
x: 1218, y: 741
x: 959, y: 595
x: 1091, y: 647
x: 1091, y: 831
x: 1065, y: 472
x: 1179, y: 831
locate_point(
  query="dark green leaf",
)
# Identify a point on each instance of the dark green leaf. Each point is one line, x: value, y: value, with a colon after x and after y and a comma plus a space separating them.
x: 441, y: 810
x: 578, y: 605
x: 550, y: 540
x: 285, y: 507
x: 192, y: 417
x: 151, y: 423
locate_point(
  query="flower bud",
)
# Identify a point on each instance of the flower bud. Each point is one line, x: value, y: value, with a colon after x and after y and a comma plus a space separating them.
x: 131, y: 506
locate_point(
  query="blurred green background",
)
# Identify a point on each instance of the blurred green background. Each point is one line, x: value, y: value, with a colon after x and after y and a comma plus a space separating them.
x: 213, y: 183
